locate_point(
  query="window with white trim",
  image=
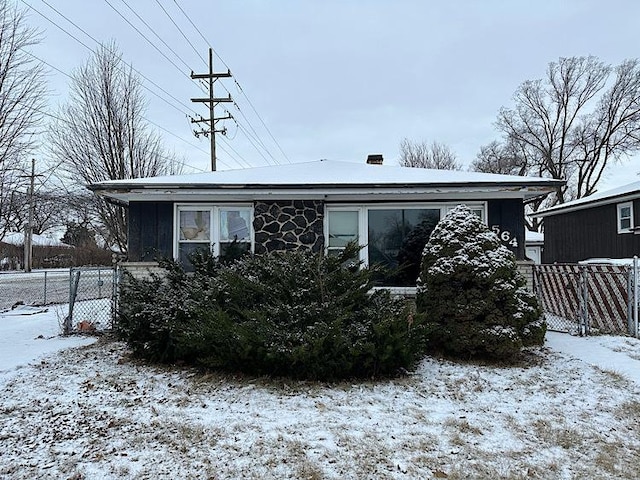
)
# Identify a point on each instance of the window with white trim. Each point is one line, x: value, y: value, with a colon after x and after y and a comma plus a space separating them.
x: 390, y: 235
x: 343, y: 227
x: 625, y: 217
x: 477, y: 210
x: 211, y: 227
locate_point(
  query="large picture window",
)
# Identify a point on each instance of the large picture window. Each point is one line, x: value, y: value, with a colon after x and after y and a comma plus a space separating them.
x: 391, y: 236
x: 396, y: 240
x: 211, y: 227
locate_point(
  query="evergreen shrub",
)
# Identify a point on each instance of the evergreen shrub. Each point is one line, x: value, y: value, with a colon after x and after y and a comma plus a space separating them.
x: 472, y: 298
x: 294, y: 313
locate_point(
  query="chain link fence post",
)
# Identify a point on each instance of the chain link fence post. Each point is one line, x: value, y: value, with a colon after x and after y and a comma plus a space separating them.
x: 635, y: 297
x: 91, y: 293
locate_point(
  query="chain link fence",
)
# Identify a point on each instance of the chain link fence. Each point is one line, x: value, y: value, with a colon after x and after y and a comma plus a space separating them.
x: 92, y: 299
x: 91, y: 293
x: 35, y: 288
x: 590, y: 298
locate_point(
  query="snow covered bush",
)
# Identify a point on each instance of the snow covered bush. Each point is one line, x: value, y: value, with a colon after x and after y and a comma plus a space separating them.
x: 296, y: 314
x: 470, y: 294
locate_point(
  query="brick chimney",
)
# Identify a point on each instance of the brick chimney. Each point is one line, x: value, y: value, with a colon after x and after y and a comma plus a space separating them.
x: 375, y: 159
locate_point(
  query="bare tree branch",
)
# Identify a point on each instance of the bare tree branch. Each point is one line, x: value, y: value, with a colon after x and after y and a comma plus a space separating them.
x: 22, y: 100
x: 422, y: 155
x: 571, y: 125
x: 102, y: 135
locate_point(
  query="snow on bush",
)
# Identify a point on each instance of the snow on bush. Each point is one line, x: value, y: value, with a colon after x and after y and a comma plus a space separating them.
x: 471, y: 295
x: 295, y: 314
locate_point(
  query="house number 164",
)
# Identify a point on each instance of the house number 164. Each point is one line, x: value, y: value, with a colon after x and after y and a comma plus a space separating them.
x: 505, y: 236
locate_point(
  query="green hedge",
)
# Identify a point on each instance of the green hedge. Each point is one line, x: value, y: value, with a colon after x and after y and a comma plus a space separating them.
x: 295, y: 314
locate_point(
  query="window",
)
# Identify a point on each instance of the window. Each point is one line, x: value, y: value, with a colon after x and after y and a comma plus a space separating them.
x: 396, y: 240
x: 625, y: 217
x: 209, y: 227
x: 476, y: 209
x: 391, y: 235
x: 343, y: 228
x: 234, y: 225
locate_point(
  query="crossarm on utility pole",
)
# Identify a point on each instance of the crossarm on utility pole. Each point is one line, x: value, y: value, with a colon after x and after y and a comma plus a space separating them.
x: 211, y: 101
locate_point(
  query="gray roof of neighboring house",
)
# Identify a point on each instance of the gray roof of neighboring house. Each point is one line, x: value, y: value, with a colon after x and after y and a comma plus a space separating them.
x: 532, y: 238
x: 17, y: 239
x: 324, y: 176
x: 623, y: 193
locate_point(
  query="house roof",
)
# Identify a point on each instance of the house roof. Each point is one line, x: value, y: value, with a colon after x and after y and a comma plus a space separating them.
x: 623, y: 193
x: 17, y: 239
x: 532, y: 238
x: 318, y: 179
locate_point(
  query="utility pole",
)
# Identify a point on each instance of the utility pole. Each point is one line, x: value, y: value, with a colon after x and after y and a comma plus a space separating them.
x: 28, y: 233
x: 212, y: 101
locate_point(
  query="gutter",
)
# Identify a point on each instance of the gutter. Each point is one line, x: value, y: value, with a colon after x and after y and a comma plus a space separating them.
x: 125, y: 187
x: 598, y: 202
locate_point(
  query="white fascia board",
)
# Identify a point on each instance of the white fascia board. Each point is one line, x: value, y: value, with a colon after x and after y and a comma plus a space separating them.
x: 335, y: 194
x: 629, y: 197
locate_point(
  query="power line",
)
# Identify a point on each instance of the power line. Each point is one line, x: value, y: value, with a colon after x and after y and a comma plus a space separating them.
x: 99, y: 43
x: 63, y: 120
x: 156, y: 34
x: 199, y: 32
x: 67, y: 122
x: 182, y: 139
x: 181, y: 32
x: 86, y: 46
x: 243, y: 130
x: 236, y: 82
x: 254, y: 135
x: 211, y: 101
x: 172, y: 51
x: 228, y: 144
x: 262, y: 121
x: 147, y: 39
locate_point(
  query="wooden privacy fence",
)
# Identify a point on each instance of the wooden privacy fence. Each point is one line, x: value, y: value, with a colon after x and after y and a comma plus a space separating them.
x: 588, y: 298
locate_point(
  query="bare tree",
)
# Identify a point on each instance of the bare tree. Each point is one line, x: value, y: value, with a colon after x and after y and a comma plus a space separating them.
x: 11, y: 182
x: 22, y: 100
x: 102, y: 134
x: 611, y: 131
x: 51, y: 210
x: 422, y: 155
x: 571, y: 125
x: 506, y: 159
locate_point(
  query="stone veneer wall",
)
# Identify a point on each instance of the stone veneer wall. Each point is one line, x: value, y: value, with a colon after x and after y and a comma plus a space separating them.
x: 288, y: 225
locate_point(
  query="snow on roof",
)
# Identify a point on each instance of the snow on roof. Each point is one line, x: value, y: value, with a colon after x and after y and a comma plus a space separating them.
x: 533, y: 237
x: 325, y: 172
x: 608, y: 261
x: 17, y: 238
x: 598, y: 198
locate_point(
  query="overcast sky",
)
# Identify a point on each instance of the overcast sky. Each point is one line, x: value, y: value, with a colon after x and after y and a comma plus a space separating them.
x: 338, y: 79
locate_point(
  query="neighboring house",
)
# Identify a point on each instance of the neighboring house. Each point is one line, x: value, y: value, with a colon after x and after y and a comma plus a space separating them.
x: 47, y: 251
x: 534, y: 245
x: 603, y: 225
x: 320, y: 206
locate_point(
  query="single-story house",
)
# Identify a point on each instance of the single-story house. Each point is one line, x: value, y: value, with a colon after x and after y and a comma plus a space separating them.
x: 602, y: 225
x: 46, y: 251
x: 320, y: 206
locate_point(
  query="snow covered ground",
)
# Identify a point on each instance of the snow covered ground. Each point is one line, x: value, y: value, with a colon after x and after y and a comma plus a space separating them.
x: 28, y: 333
x: 571, y: 410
